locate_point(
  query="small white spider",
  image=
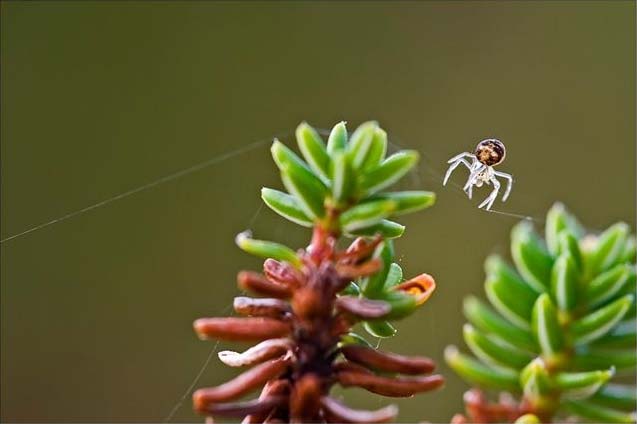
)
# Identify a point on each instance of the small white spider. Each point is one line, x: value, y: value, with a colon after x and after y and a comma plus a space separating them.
x: 488, y: 153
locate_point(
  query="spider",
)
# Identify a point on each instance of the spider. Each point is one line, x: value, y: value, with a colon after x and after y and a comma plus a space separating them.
x: 488, y: 153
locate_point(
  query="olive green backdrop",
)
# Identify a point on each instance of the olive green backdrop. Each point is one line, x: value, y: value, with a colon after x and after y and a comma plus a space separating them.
x: 102, y: 97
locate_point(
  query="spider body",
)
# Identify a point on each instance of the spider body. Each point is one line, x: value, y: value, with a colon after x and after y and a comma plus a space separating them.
x: 487, y: 154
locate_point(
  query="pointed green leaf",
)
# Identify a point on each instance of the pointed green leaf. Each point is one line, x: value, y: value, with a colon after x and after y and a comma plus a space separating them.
x: 285, y: 205
x: 389, y: 171
x: 352, y: 289
x: 267, y: 249
x: 558, y: 222
x: 337, y: 141
x: 343, y: 179
x: 617, y: 396
x: 394, y: 276
x: 401, y: 304
x: 546, y: 326
x: 569, y: 244
x: 479, y: 374
x: 354, y: 338
x: 605, y: 358
x: 531, y: 258
x: 493, y: 351
x: 598, y: 413
x: 624, y: 335
x: 609, y: 248
x: 313, y: 149
x: 565, y: 282
x: 598, y: 323
x: 535, y: 380
x: 408, y: 201
x: 380, y: 329
x: 285, y: 158
x: 608, y: 284
x: 385, y: 228
x: 582, y: 385
x: 374, y: 283
x: 508, y: 293
x: 366, y: 214
x: 377, y: 150
x: 360, y: 143
x: 485, y: 319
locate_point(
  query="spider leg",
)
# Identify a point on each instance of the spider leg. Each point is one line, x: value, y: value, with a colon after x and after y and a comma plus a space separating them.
x: 509, y: 179
x: 461, y: 155
x: 489, y: 200
x: 454, y: 166
x: 476, y: 168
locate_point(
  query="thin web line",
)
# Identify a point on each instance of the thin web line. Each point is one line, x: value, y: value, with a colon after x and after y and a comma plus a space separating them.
x: 162, y: 180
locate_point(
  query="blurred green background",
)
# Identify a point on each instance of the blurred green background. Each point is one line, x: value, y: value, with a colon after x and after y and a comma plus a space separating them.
x: 102, y: 97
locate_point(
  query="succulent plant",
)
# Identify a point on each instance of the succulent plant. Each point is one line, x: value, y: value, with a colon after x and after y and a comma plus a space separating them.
x: 560, y: 326
x: 314, y: 296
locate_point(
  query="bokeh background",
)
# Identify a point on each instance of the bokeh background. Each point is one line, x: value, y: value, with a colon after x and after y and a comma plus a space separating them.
x: 102, y: 97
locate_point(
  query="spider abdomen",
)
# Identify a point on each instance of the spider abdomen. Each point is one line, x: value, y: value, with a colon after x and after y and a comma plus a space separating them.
x: 490, y: 152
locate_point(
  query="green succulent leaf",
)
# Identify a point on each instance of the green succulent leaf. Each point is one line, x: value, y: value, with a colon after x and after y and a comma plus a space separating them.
x: 607, y: 284
x: 337, y: 141
x: 394, y: 276
x: 402, y: 304
x: 408, y: 201
x: 565, y: 282
x: 480, y: 374
x: 380, y: 329
x: 485, y: 319
x: 285, y: 205
x: 360, y: 143
x: 623, y: 335
x: 352, y: 289
x: 508, y: 293
x: 389, y: 171
x: 531, y: 258
x: 354, y: 338
x: 385, y: 228
x: 617, y: 396
x: 582, y: 385
x: 609, y: 248
x: 377, y: 150
x: 598, y: 413
x: 535, y: 380
x: 494, y: 351
x: 313, y: 149
x: 374, y: 284
x: 343, y: 179
x: 604, y: 358
x: 630, y: 251
x: 598, y: 323
x: 558, y: 221
x: 267, y: 249
x: 546, y: 326
x: 569, y: 244
x: 366, y: 214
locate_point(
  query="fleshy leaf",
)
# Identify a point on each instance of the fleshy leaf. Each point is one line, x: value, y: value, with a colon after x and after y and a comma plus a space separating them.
x: 558, y: 220
x: 604, y: 358
x: 337, y: 141
x: 480, y: 374
x: 374, y: 284
x: 360, y: 143
x: 267, y: 249
x: 617, y: 396
x: 377, y: 150
x: 313, y: 149
x: 598, y: 323
x: 535, y: 379
x: 609, y: 248
x: 394, y: 276
x: 366, y: 214
x: 485, y: 319
x: 380, y: 329
x: 492, y: 350
x: 343, y: 181
x: 546, y: 326
x: 285, y: 205
x: 386, y: 228
x: 581, y: 385
x: 607, y: 284
x: 408, y: 201
x: 564, y: 282
x: 623, y: 335
x: 598, y: 413
x: 531, y: 258
x: 389, y: 171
